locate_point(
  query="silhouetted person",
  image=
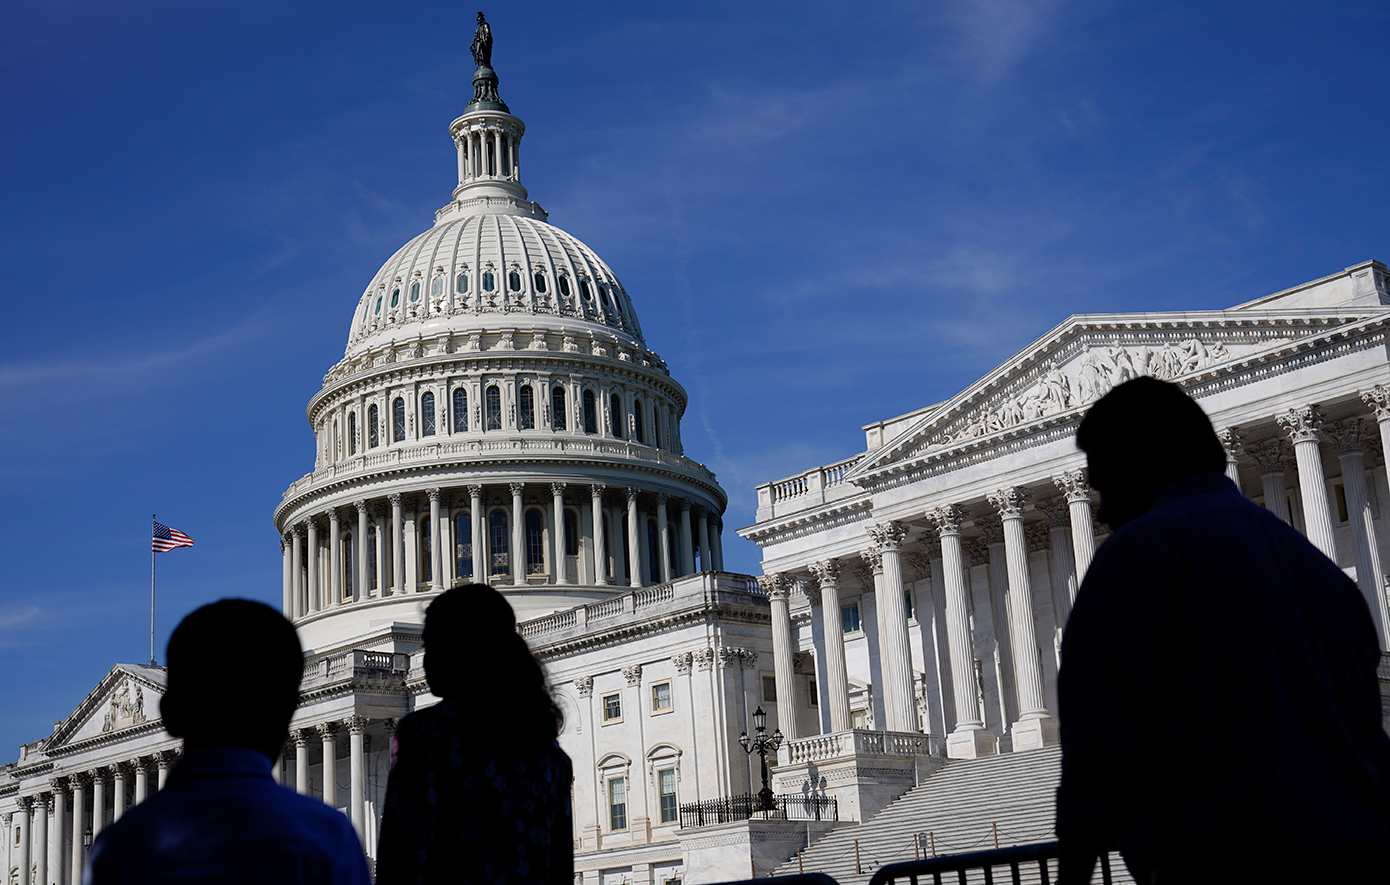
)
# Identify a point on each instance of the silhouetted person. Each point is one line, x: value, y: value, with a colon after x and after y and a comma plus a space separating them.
x: 479, y: 789
x: 234, y: 669
x: 1220, y: 713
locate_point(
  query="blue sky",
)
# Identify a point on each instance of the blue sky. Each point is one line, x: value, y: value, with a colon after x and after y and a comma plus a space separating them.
x: 825, y: 216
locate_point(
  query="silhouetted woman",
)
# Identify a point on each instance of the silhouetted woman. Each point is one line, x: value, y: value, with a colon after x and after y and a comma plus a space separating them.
x: 479, y: 789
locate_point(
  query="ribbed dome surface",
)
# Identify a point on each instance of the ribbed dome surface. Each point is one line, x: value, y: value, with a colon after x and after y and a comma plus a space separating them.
x: 489, y: 264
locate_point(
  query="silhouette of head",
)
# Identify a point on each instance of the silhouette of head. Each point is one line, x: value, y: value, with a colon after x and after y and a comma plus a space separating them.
x: 1141, y: 437
x: 234, y: 669
x: 471, y: 644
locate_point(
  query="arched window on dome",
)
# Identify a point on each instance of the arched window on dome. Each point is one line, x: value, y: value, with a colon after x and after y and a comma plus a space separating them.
x: 372, y: 440
x: 514, y: 281
x: 371, y: 558
x: 590, y: 413
x: 426, y: 553
x: 395, y: 297
x: 653, y: 554
x: 377, y: 312
x: 615, y: 415
x: 540, y: 283
x: 564, y: 285
x: 639, y: 434
x: 352, y: 433
x: 427, y: 425
x: 460, y: 410
x: 489, y: 282
x: 526, y: 401
x: 349, y: 560
x: 535, y: 542
x: 493, y: 401
x: 558, y: 419
x: 586, y: 289
x: 461, y: 284
x: 463, y: 544
x: 414, y: 291
x: 437, y: 288
x: 398, y: 420
x: 500, y: 562
x: 656, y: 425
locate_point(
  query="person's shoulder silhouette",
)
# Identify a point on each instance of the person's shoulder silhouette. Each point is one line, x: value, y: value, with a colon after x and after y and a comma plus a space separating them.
x: 234, y: 669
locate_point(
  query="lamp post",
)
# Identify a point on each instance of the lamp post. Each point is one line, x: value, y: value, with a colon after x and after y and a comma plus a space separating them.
x: 761, y: 742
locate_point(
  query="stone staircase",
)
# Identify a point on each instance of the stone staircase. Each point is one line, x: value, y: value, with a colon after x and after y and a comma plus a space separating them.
x: 958, y: 808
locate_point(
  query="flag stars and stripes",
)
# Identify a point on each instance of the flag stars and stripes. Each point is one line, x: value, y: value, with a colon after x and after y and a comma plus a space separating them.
x: 166, y: 539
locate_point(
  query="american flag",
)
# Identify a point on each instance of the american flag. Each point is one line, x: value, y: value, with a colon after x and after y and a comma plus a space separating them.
x: 166, y: 539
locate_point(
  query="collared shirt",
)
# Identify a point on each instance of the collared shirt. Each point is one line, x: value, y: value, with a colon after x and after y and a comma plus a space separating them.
x: 222, y: 818
x: 1218, y: 683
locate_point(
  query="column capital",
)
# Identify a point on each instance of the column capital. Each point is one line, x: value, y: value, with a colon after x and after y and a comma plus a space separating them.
x: 59, y: 784
x: 433, y: 494
x: 633, y: 674
x: 682, y: 661
x: 390, y: 723
x: 516, y: 488
x: 165, y: 758
x: 685, y: 505
x: 1055, y: 511
x: 557, y: 489
x: 333, y: 515
x: 596, y: 491
x: 361, y: 506
x: 1271, y: 456
x: 299, y: 737
x: 25, y: 803
x: 1232, y: 442
x: 662, y: 498
x: 631, y: 495
x: 297, y: 531
x: 584, y: 685
x: 357, y: 724
x: 993, y: 527
x: 475, y: 491
x: 887, y: 535
x: 81, y: 779
x: 1302, y: 424
x: 326, y: 730
x: 827, y: 572
x: 873, y: 559
x: 1377, y: 399
x: 1348, y: 436
x: 1073, y: 485
x: 1008, y: 501
x: 946, y: 520
x: 394, y: 498
x: 778, y: 586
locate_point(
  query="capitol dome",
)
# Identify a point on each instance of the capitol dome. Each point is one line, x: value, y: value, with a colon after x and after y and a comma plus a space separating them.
x: 497, y: 416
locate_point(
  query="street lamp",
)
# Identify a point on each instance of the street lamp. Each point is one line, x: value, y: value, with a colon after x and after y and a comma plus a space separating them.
x: 761, y: 743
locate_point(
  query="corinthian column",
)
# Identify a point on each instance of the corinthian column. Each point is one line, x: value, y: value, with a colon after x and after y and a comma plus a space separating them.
x: 600, y: 557
x: 1377, y: 399
x: 1072, y: 484
x: 687, y: 546
x: 335, y: 559
x: 311, y: 595
x: 557, y: 506
x: 359, y: 574
x: 436, y: 553
x: 827, y: 574
x: 296, y: 573
x: 118, y: 791
x: 357, y: 727
x: 1304, y: 427
x: 1369, y: 577
x: 475, y: 510
x: 79, y: 824
x: 21, y: 821
x: 663, y: 529
x: 98, y: 801
x: 634, y: 542
x: 328, y: 732
x: 60, y: 815
x: 1271, y: 458
x: 898, y: 702
x: 300, y: 737
x: 970, y: 738
x: 286, y: 576
x: 1035, y: 726
x: 518, y: 536
x: 38, y: 831
x: 778, y: 593
x: 1232, y: 442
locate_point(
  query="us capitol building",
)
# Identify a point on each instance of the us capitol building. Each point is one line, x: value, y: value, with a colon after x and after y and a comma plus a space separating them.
x: 498, y: 416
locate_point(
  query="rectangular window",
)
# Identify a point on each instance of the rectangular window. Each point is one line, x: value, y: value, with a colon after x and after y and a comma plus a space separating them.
x: 661, y: 696
x: 812, y: 693
x: 617, y: 803
x: 612, y: 707
x: 858, y: 719
x: 849, y: 618
x: 666, y: 785
x: 769, y: 689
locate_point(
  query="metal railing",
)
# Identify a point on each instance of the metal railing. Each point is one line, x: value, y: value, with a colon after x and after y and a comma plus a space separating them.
x: 1042, y: 856
x: 746, y: 807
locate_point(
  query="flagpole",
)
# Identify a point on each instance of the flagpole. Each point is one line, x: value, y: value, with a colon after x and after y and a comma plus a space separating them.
x: 152, y: 521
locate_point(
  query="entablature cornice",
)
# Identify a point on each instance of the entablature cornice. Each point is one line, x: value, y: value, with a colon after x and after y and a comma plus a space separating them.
x: 797, y: 525
x: 609, y: 634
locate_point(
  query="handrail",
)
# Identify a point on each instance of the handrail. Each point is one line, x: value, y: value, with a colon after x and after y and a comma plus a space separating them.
x: 931, y: 869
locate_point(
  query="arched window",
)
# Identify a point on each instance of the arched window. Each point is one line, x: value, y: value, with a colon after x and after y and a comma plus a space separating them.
x: 461, y: 284
x: 395, y: 297
x: 414, y: 291
x: 590, y: 413
x: 514, y: 281
x: 426, y: 551
x: 427, y: 415
x: 372, y: 440
x: 463, y: 544
x: 352, y: 433
x: 377, y: 312
x: 535, y: 542
x: 539, y: 280
x: 437, y: 288
x: 460, y: 410
x: 488, y: 281
x: 615, y: 415
x: 349, y: 560
x: 494, y: 408
x: 526, y: 400
x: 398, y: 419
x: 371, y: 557
x: 571, y: 533
x: 653, y: 553
x: 565, y: 286
x: 497, y: 543
x: 586, y: 289
x: 637, y: 420
x: 557, y: 407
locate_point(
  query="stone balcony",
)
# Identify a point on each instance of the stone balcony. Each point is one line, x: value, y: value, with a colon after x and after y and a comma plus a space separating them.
x: 807, y: 491
x: 862, y: 770
x: 357, y: 664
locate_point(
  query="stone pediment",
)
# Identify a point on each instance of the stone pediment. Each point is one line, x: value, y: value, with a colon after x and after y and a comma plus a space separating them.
x: 1080, y: 360
x: 126, y: 698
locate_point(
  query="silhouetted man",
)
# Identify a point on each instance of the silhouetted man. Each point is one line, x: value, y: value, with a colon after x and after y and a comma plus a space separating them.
x: 234, y: 669
x: 1220, y: 713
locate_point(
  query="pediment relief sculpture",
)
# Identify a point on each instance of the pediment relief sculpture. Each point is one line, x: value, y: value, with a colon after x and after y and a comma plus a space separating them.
x: 124, y: 709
